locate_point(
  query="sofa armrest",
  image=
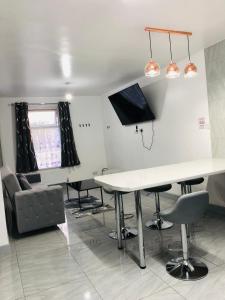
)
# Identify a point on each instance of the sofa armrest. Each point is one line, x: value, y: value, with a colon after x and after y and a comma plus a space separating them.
x: 39, y: 207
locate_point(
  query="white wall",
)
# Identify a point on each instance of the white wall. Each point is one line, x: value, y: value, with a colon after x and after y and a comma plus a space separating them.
x: 3, y: 230
x: 177, y: 104
x: 89, y: 141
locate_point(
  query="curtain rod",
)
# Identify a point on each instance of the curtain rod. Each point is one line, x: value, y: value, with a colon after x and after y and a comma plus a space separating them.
x: 41, y: 103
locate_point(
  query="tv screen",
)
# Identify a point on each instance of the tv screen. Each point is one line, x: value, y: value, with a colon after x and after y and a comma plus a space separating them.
x: 131, y: 106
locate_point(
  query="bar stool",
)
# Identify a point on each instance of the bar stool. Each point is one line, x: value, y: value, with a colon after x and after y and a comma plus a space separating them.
x: 158, y: 223
x: 188, y: 209
x: 186, y: 186
x: 127, y: 232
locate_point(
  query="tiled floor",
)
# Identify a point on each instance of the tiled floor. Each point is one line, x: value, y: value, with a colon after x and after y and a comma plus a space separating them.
x: 79, y: 261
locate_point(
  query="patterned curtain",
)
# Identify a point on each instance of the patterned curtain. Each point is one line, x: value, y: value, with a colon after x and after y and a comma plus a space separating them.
x: 25, y: 155
x: 69, y: 156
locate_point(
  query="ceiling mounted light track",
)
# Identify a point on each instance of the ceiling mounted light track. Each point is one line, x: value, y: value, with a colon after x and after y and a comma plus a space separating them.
x: 152, y: 68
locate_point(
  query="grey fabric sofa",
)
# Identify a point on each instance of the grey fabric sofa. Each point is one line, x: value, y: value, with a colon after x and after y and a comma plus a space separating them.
x: 33, y: 209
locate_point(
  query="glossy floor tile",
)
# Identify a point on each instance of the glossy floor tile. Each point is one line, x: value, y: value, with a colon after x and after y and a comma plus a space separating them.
x: 126, y: 282
x: 10, y: 280
x: 47, y: 269
x: 78, y: 260
x: 167, y: 294
x: 40, y: 242
x: 212, y: 286
x: 78, y: 289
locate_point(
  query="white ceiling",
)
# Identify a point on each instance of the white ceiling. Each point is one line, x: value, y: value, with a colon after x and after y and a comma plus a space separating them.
x: 100, y: 43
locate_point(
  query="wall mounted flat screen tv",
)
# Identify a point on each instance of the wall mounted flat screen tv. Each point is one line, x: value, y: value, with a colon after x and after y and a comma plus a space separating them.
x: 131, y: 106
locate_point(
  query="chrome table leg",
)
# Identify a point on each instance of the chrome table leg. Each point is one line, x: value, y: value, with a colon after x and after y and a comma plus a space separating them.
x: 118, y: 219
x: 140, y: 229
x: 127, y: 232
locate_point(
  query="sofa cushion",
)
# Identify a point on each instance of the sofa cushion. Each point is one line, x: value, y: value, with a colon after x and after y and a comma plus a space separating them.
x: 33, y: 178
x: 25, y: 185
x: 11, y: 184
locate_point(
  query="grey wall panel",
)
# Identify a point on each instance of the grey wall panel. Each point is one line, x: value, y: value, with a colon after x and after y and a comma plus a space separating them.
x: 215, y: 74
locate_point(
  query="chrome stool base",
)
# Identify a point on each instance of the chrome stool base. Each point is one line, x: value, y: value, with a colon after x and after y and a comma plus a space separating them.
x: 158, y: 225
x: 127, y: 233
x: 188, y: 270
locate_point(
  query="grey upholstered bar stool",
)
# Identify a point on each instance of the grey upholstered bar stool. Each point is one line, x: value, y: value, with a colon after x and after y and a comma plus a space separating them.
x: 188, y: 209
x: 186, y: 186
x: 158, y: 223
x: 127, y: 232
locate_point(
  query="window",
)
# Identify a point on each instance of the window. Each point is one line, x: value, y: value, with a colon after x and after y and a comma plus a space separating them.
x: 44, y: 125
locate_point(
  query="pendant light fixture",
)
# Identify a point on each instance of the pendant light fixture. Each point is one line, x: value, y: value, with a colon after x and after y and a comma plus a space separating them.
x: 172, y: 70
x: 152, y: 69
x: 190, y: 70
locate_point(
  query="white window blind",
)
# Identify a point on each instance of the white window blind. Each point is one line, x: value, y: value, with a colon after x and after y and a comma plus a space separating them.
x: 44, y: 125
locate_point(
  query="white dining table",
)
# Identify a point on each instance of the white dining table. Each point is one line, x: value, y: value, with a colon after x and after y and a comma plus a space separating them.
x: 137, y: 180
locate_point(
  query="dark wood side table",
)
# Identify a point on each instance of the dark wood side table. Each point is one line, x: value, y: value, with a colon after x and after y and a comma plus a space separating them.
x: 84, y: 185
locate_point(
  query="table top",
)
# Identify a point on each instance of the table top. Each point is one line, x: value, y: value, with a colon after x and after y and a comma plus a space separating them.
x: 87, y: 184
x: 135, y: 180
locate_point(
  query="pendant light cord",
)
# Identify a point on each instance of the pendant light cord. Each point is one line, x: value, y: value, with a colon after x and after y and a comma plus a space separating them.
x: 189, y: 55
x: 171, y: 54
x: 150, y: 43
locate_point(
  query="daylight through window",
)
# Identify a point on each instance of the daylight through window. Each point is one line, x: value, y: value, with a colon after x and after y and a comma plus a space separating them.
x: 44, y: 125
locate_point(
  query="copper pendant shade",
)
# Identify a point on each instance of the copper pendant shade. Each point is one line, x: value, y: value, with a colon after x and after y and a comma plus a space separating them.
x: 152, y: 68
x: 190, y: 70
x: 172, y: 71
